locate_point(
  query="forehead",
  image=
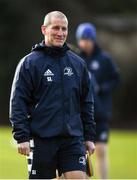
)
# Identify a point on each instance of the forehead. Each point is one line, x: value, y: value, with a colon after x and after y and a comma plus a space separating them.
x: 58, y: 22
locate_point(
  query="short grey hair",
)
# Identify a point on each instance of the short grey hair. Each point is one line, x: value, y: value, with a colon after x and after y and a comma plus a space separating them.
x: 56, y: 14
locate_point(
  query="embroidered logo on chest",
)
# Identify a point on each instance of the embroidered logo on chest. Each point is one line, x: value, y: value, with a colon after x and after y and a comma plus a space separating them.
x: 94, y: 65
x: 68, y: 71
x: 48, y: 74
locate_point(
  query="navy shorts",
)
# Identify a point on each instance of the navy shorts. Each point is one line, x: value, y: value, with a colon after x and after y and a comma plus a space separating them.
x: 102, y: 131
x: 58, y: 153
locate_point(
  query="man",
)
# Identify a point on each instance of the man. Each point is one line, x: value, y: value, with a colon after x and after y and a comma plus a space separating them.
x: 105, y: 77
x: 51, y: 103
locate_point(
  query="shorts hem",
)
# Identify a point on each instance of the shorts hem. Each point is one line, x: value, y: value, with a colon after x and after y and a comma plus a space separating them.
x: 72, y: 169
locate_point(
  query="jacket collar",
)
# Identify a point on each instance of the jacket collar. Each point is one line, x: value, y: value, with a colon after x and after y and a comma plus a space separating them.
x: 51, y: 51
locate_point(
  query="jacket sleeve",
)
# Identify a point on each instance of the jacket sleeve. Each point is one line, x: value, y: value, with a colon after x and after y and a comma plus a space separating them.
x: 19, y: 102
x: 87, y: 108
x: 113, y: 77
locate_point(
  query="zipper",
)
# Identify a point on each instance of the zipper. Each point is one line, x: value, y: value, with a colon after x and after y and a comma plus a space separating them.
x: 62, y: 90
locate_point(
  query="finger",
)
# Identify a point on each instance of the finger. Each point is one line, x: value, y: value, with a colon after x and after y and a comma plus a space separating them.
x: 28, y: 151
x: 20, y: 150
x: 91, y: 151
x: 23, y: 150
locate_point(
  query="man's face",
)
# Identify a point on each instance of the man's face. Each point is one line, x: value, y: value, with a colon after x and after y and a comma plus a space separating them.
x: 56, y: 32
x: 86, y: 45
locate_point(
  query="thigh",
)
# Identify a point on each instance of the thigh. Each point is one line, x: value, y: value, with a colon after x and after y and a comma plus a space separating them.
x: 71, y: 157
x: 44, y: 159
x: 75, y: 175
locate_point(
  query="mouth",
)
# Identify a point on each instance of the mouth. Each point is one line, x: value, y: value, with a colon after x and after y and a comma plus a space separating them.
x: 59, y: 40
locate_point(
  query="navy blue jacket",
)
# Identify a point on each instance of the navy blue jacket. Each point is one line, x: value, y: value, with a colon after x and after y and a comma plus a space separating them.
x: 52, y: 95
x: 105, y: 77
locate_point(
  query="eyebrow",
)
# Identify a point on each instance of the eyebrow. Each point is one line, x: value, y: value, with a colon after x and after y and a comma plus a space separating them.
x: 57, y: 26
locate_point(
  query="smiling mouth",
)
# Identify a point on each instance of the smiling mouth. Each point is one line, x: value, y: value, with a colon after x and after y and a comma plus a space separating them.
x: 60, y: 40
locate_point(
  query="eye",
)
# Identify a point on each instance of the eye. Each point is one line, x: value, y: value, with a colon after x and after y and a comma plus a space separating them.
x: 56, y: 28
x: 64, y: 29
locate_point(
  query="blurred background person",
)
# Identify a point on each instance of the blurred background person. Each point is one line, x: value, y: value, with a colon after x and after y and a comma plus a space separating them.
x: 104, y: 73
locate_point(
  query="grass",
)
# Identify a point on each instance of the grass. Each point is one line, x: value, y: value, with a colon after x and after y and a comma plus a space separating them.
x: 122, y: 156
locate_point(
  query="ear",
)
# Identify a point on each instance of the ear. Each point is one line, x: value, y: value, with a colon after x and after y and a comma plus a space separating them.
x: 43, y: 29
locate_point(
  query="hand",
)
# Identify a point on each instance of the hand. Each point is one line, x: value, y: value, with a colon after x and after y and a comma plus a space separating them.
x: 90, y: 146
x: 24, y: 148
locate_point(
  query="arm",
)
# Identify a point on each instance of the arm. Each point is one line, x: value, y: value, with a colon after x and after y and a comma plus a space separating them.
x: 19, y: 102
x: 87, y: 111
x: 112, y: 79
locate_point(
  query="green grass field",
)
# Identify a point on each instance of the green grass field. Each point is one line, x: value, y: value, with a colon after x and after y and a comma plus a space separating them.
x: 122, y: 156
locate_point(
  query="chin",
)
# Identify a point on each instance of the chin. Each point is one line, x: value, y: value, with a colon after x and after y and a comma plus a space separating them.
x: 58, y: 44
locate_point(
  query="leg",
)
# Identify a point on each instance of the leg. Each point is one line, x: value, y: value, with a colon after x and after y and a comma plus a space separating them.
x: 75, y: 175
x: 72, y: 159
x: 43, y: 167
x: 102, y: 160
x: 102, y: 129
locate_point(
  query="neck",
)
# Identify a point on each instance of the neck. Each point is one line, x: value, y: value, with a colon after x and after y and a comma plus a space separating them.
x: 47, y: 43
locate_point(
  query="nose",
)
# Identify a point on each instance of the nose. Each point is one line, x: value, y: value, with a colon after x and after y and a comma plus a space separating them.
x: 60, y: 32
